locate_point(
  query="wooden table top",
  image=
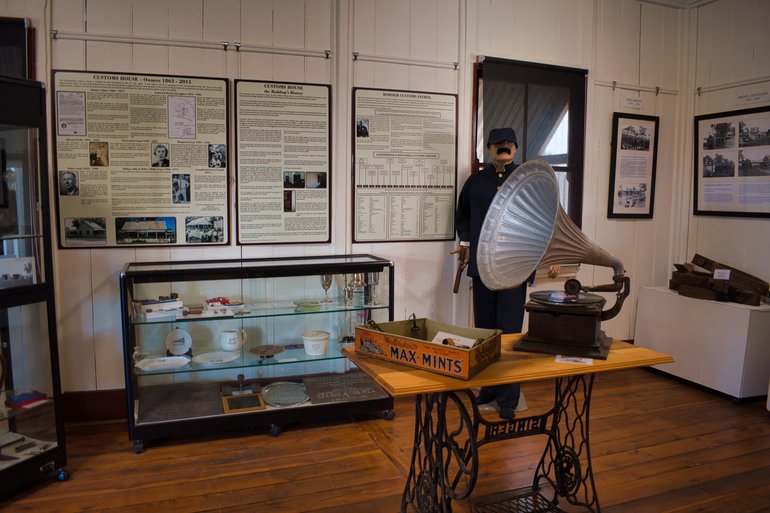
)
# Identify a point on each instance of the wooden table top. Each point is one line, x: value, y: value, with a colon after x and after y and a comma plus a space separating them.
x: 512, y: 367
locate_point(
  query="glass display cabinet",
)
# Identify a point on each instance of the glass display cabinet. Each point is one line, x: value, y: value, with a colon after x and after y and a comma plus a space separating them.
x: 231, y: 344
x: 31, y: 426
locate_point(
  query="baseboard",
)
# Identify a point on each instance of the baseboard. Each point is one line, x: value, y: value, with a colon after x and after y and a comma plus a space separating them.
x: 94, y: 405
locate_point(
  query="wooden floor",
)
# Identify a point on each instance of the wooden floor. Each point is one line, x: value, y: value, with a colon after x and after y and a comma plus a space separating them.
x: 659, y: 446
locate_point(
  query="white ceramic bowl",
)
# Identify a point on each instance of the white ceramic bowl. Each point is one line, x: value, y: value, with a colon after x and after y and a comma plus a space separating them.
x: 316, y: 342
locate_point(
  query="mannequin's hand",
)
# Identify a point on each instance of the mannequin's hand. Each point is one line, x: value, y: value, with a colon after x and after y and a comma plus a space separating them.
x: 463, y: 254
x: 553, y: 271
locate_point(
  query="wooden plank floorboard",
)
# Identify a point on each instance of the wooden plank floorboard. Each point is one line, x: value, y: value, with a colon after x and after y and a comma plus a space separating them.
x: 658, y: 445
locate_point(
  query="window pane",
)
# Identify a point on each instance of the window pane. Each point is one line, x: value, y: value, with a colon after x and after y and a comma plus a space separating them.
x: 502, y: 106
x: 547, y: 127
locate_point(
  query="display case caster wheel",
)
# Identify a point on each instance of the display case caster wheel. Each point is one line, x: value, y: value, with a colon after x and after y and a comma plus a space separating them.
x: 389, y: 414
x: 62, y: 475
x: 274, y: 430
x: 138, y: 446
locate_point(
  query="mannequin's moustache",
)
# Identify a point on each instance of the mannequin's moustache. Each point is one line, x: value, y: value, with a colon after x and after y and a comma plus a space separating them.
x: 500, y: 151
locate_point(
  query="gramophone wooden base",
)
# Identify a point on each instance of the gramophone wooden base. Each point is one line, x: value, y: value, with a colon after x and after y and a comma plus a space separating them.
x: 565, y: 329
x: 598, y: 348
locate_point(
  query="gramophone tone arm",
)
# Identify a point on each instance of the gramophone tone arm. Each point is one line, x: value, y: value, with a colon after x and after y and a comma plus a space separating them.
x: 623, y: 287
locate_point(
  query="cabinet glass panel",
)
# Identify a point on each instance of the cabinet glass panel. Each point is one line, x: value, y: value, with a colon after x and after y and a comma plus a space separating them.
x: 21, y: 248
x: 201, y: 334
x: 27, y: 416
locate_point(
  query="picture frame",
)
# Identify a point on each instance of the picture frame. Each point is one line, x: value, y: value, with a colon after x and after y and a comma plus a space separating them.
x: 242, y: 403
x: 633, y: 166
x: 732, y: 163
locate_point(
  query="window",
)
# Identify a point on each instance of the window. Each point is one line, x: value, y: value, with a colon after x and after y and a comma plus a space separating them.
x: 545, y: 105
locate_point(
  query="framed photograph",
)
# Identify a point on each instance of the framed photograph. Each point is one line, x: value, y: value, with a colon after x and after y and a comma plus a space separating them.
x: 241, y: 403
x: 632, y: 166
x: 732, y: 163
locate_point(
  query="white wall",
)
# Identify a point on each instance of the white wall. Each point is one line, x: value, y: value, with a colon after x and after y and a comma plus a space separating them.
x: 624, y: 41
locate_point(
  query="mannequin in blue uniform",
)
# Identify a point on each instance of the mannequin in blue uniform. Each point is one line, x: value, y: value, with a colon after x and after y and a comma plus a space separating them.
x: 502, y: 309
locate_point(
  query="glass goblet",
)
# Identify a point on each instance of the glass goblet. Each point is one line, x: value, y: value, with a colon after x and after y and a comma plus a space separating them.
x: 326, y: 282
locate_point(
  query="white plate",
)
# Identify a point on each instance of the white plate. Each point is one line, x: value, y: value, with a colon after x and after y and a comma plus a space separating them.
x: 216, y: 358
x: 284, y: 393
x: 178, y: 341
x: 162, y: 363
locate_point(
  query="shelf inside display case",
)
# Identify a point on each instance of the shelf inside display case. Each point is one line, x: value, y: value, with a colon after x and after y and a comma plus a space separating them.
x: 252, y: 311
x: 148, y: 365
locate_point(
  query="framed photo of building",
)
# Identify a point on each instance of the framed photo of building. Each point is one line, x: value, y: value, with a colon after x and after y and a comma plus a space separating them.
x: 633, y: 165
x: 732, y: 163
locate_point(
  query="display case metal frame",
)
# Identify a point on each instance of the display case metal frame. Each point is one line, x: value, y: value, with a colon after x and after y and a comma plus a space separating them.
x: 28, y: 341
x: 137, y: 275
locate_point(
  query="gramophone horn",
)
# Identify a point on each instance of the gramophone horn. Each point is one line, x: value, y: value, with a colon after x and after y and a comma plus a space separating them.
x: 525, y: 228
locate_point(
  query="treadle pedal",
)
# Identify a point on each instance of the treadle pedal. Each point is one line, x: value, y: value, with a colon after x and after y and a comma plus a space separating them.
x: 522, y: 500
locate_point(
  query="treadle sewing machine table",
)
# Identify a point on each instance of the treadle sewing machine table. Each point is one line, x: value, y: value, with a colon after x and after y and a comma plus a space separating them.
x: 448, y: 434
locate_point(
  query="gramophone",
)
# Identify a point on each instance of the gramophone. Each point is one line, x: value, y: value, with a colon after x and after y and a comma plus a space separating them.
x: 526, y: 228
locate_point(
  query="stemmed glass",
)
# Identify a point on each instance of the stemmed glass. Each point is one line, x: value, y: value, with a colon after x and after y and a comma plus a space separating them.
x: 374, y: 280
x: 326, y: 282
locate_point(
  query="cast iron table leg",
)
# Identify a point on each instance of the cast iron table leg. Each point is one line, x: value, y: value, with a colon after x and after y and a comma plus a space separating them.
x: 566, y: 461
x: 444, y: 463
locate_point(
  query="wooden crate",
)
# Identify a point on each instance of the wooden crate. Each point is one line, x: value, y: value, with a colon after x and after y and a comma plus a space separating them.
x: 409, y: 343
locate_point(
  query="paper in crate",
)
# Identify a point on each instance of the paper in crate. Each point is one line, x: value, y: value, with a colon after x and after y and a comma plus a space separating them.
x: 409, y: 343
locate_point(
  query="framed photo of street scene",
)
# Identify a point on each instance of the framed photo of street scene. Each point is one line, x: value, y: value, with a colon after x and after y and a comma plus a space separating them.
x: 632, y: 166
x: 732, y: 163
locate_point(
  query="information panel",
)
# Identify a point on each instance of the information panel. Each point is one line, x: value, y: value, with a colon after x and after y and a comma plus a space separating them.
x: 405, y: 165
x: 283, y: 152
x: 140, y: 159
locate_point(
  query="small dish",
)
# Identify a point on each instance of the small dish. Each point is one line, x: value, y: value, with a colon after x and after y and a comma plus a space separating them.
x: 162, y: 363
x: 215, y: 358
x: 307, y: 305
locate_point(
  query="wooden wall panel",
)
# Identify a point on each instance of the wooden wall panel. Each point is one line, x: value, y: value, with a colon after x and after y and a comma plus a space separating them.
x: 150, y: 18
x: 185, y: 19
x: 652, y: 44
x: 107, y: 340
x: 318, y: 70
x: 553, y: 31
x: 256, y: 22
x: 74, y: 310
x: 392, y: 28
x: 101, y: 56
x: 150, y: 59
x: 288, y: 68
x: 256, y: 66
x: 448, y: 30
x: 221, y: 20
x: 318, y: 25
x: 289, y: 23
x: 363, y: 15
x: 108, y: 17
